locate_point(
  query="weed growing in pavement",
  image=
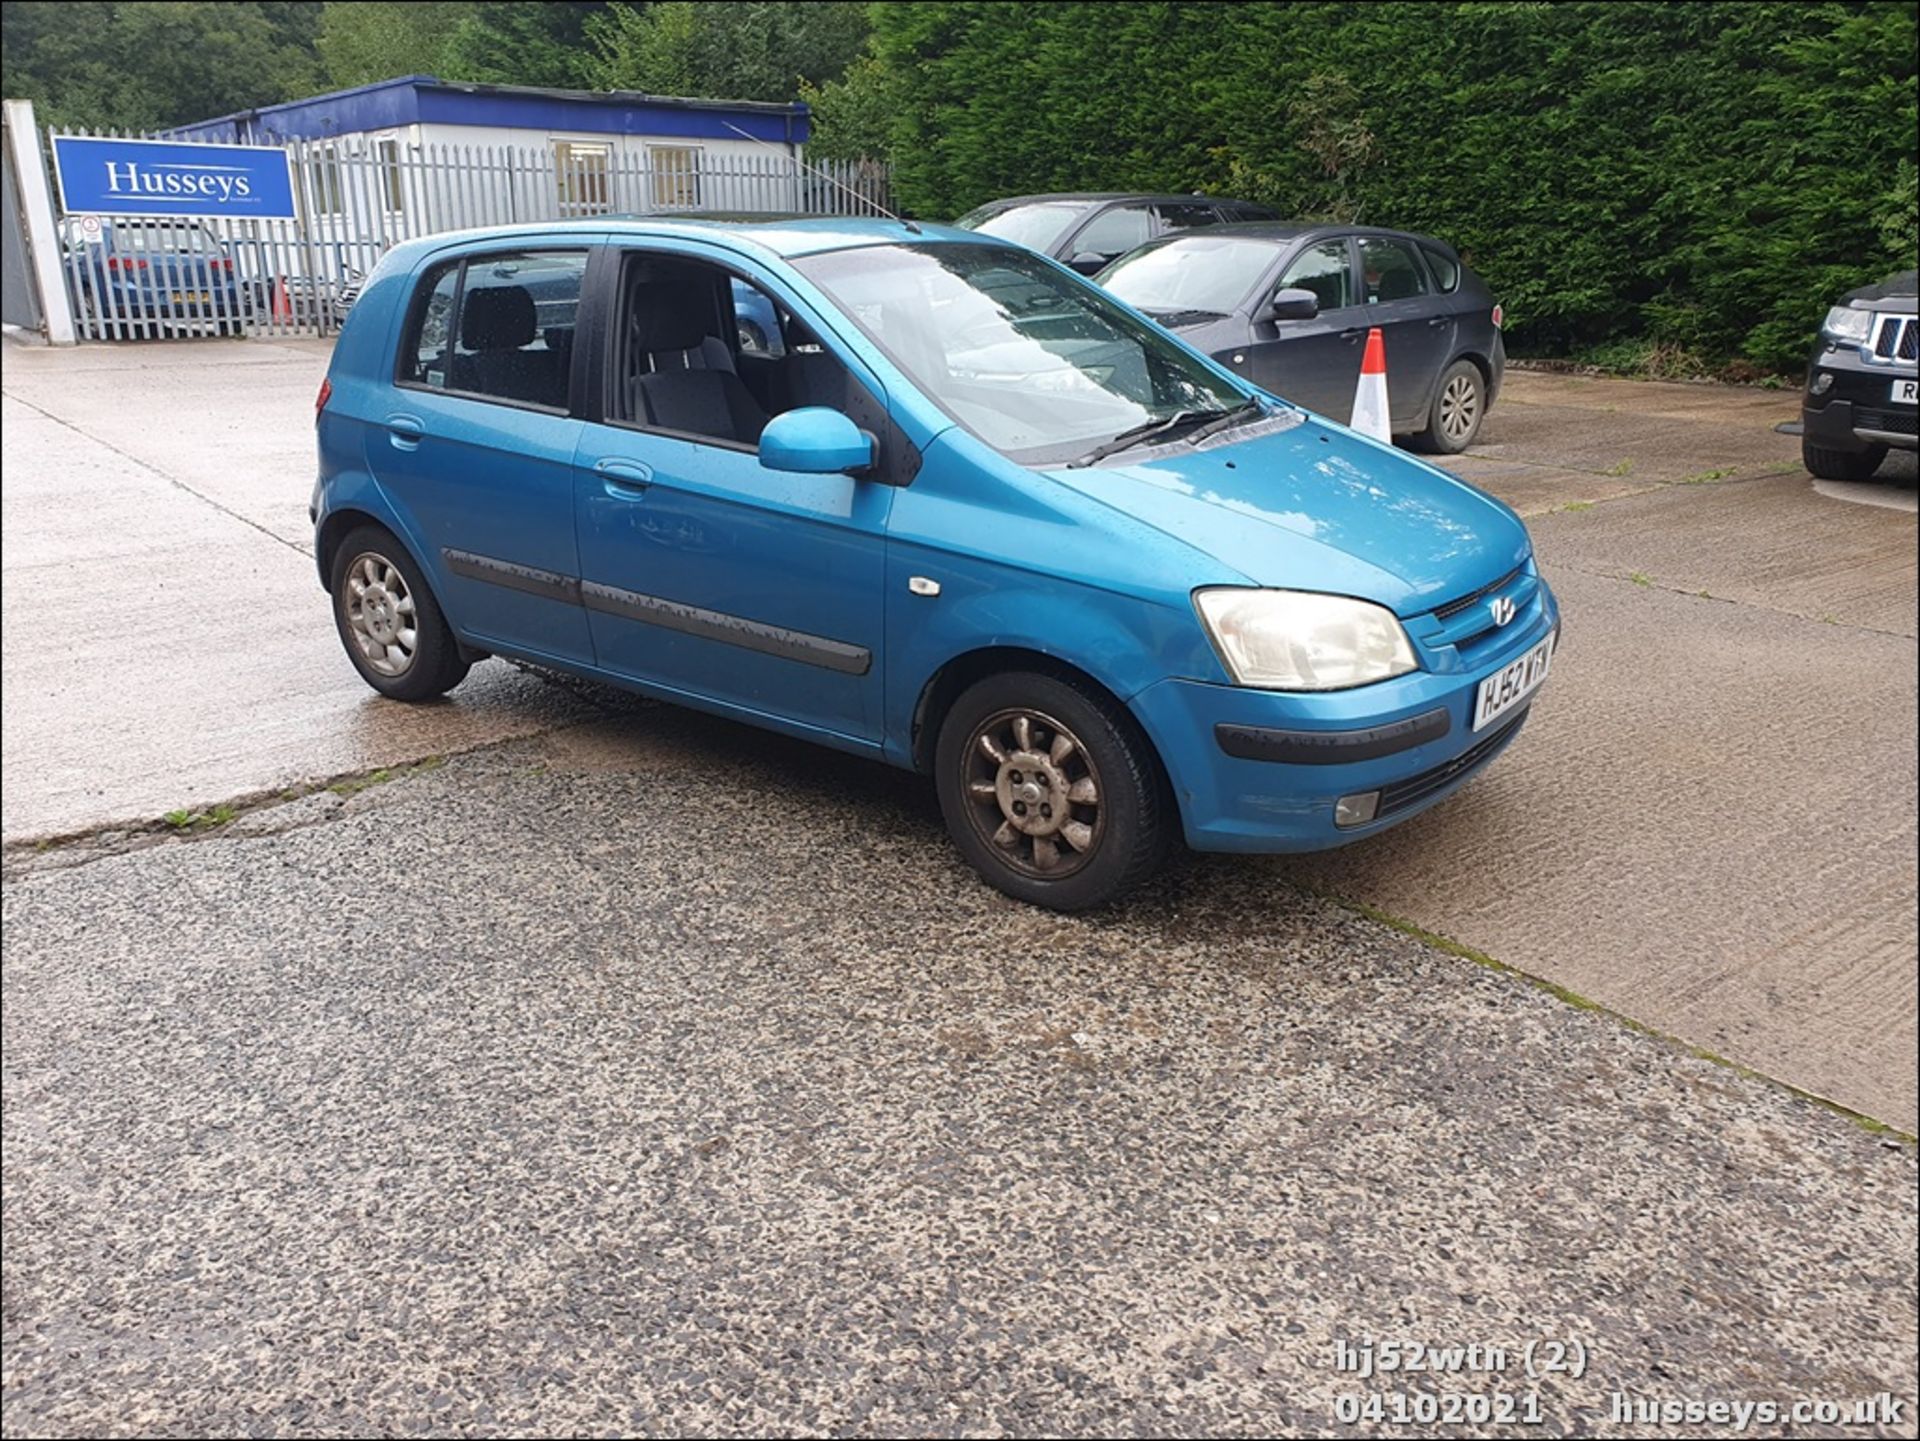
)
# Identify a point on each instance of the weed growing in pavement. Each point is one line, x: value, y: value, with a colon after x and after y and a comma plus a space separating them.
x: 1640, y: 577
x: 1708, y: 477
x: 1578, y: 505
x: 1620, y: 467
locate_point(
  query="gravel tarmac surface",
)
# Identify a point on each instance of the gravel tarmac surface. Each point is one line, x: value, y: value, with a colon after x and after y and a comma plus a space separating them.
x: 661, y: 1076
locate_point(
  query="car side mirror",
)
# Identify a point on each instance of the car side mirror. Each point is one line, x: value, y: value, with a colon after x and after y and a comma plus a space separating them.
x: 1087, y: 263
x: 1293, y: 304
x: 815, y: 440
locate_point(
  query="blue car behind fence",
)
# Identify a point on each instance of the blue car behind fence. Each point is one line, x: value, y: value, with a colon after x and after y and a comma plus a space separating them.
x: 927, y: 497
x: 150, y: 278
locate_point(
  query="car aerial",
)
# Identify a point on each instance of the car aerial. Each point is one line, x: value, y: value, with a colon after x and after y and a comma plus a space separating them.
x: 1863, y: 384
x: 152, y: 277
x: 973, y: 518
x: 1089, y: 230
x: 1289, y: 307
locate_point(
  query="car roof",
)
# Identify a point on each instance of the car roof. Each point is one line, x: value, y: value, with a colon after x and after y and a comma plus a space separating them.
x: 784, y: 237
x: 1101, y: 196
x: 1285, y: 230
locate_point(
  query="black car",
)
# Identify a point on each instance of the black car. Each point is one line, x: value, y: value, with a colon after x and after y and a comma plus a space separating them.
x: 1863, y: 384
x: 1089, y: 230
x: 1289, y: 307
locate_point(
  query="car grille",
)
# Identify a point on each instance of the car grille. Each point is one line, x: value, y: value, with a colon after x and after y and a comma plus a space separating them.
x: 1888, y: 422
x: 1894, y: 338
x: 1454, y: 607
x: 1402, y: 794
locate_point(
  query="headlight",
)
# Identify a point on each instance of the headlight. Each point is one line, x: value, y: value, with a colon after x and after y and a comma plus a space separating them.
x: 1845, y: 323
x: 1296, y: 640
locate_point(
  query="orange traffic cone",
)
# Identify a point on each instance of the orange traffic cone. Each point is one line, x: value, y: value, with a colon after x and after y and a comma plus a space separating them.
x: 283, y: 303
x: 1370, y: 396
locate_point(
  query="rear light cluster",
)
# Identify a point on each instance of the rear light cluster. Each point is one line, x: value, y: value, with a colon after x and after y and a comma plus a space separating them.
x: 127, y: 262
x: 1499, y: 316
x: 320, y: 400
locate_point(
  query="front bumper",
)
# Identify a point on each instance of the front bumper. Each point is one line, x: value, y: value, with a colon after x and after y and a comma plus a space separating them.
x: 1855, y: 412
x: 1263, y: 771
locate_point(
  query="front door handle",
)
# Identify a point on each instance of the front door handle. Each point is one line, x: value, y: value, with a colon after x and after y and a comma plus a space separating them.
x: 405, y: 431
x: 623, y: 477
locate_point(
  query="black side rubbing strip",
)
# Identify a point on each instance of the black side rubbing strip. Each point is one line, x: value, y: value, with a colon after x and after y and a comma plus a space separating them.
x: 1331, y: 748
x: 548, y: 584
x: 729, y: 629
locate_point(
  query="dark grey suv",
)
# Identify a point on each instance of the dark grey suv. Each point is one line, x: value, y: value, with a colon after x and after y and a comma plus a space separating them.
x: 1087, y: 230
x: 1289, y: 307
x: 1863, y: 382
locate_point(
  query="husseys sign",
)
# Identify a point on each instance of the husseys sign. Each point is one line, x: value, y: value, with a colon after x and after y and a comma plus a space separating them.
x: 161, y: 177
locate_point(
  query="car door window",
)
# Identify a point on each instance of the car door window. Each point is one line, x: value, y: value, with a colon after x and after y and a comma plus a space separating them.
x: 1185, y: 217
x: 514, y: 336
x: 756, y: 321
x: 1390, y: 270
x: 425, y: 350
x: 1445, y: 268
x: 1324, y: 270
x: 1114, y: 232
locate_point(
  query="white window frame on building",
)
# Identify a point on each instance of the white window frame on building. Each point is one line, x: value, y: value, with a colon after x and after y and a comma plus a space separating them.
x: 583, y: 174
x: 674, y: 172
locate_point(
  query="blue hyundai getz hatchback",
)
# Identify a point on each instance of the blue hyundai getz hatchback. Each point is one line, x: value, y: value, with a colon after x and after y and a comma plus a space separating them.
x: 954, y: 508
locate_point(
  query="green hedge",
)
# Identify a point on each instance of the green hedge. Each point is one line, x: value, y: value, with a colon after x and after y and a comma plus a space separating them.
x: 1700, y: 177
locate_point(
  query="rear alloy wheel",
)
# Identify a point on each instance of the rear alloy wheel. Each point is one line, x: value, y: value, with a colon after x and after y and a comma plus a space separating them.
x: 1827, y: 464
x: 1050, y: 791
x: 1459, y: 405
x: 389, y: 622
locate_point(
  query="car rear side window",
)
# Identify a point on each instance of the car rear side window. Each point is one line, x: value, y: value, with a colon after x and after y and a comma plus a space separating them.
x: 1186, y: 217
x: 1114, y: 232
x: 1324, y: 270
x: 1446, y: 270
x: 497, y: 327
x: 1392, y: 270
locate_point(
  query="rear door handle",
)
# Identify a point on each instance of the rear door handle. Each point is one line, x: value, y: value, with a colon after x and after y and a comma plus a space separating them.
x: 1354, y: 334
x: 626, y: 476
x: 405, y: 431
x: 1440, y: 320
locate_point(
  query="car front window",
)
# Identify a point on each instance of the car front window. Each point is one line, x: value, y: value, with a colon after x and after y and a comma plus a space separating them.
x: 1035, y: 226
x: 1038, y: 364
x: 1211, y: 274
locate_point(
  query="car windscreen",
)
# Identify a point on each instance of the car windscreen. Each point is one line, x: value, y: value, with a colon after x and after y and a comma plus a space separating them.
x: 174, y: 239
x: 1036, y: 226
x: 1036, y: 362
x: 1211, y: 274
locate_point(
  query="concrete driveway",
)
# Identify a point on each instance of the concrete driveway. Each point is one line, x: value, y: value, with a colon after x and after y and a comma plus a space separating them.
x: 1709, y: 827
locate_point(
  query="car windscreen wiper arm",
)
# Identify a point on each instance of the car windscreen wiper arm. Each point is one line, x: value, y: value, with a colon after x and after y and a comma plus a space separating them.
x: 1145, y: 431
x: 1227, y: 419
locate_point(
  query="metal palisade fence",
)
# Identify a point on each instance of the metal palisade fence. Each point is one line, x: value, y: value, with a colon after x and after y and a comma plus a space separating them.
x: 356, y: 197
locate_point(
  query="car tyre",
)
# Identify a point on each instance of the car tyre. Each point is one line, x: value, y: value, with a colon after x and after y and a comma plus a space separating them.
x: 1459, y: 406
x: 1841, y: 464
x: 389, y: 621
x: 1051, y: 791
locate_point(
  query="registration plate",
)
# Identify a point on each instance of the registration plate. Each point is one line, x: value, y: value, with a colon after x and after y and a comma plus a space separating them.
x: 191, y: 297
x: 1906, y: 392
x: 1508, y: 686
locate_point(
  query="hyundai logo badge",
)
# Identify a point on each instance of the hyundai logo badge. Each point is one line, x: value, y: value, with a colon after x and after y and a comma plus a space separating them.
x: 1502, y: 607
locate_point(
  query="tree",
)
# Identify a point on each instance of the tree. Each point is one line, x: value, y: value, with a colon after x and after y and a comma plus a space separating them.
x: 727, y: 49
x: 853, y: 116
x: 500, y: 44
x: 146, y: 66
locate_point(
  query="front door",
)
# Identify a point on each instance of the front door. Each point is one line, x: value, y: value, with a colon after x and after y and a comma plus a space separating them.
x: 475, y: 445
x: 701, y: 570
x: 1315, y: 363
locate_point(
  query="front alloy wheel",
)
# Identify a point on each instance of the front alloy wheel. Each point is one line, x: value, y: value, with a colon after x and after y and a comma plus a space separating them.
x: 1034, y: 792
x: 1050, y: 790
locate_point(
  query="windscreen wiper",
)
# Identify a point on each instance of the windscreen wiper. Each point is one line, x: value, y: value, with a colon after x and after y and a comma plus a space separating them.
x: 1227, y: 419
x: 1145, y: 431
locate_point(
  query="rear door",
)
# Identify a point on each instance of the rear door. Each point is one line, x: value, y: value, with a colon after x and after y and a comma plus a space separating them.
x: 1315, y: 363
x: 1417, y: 324
x: 474, y: 442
